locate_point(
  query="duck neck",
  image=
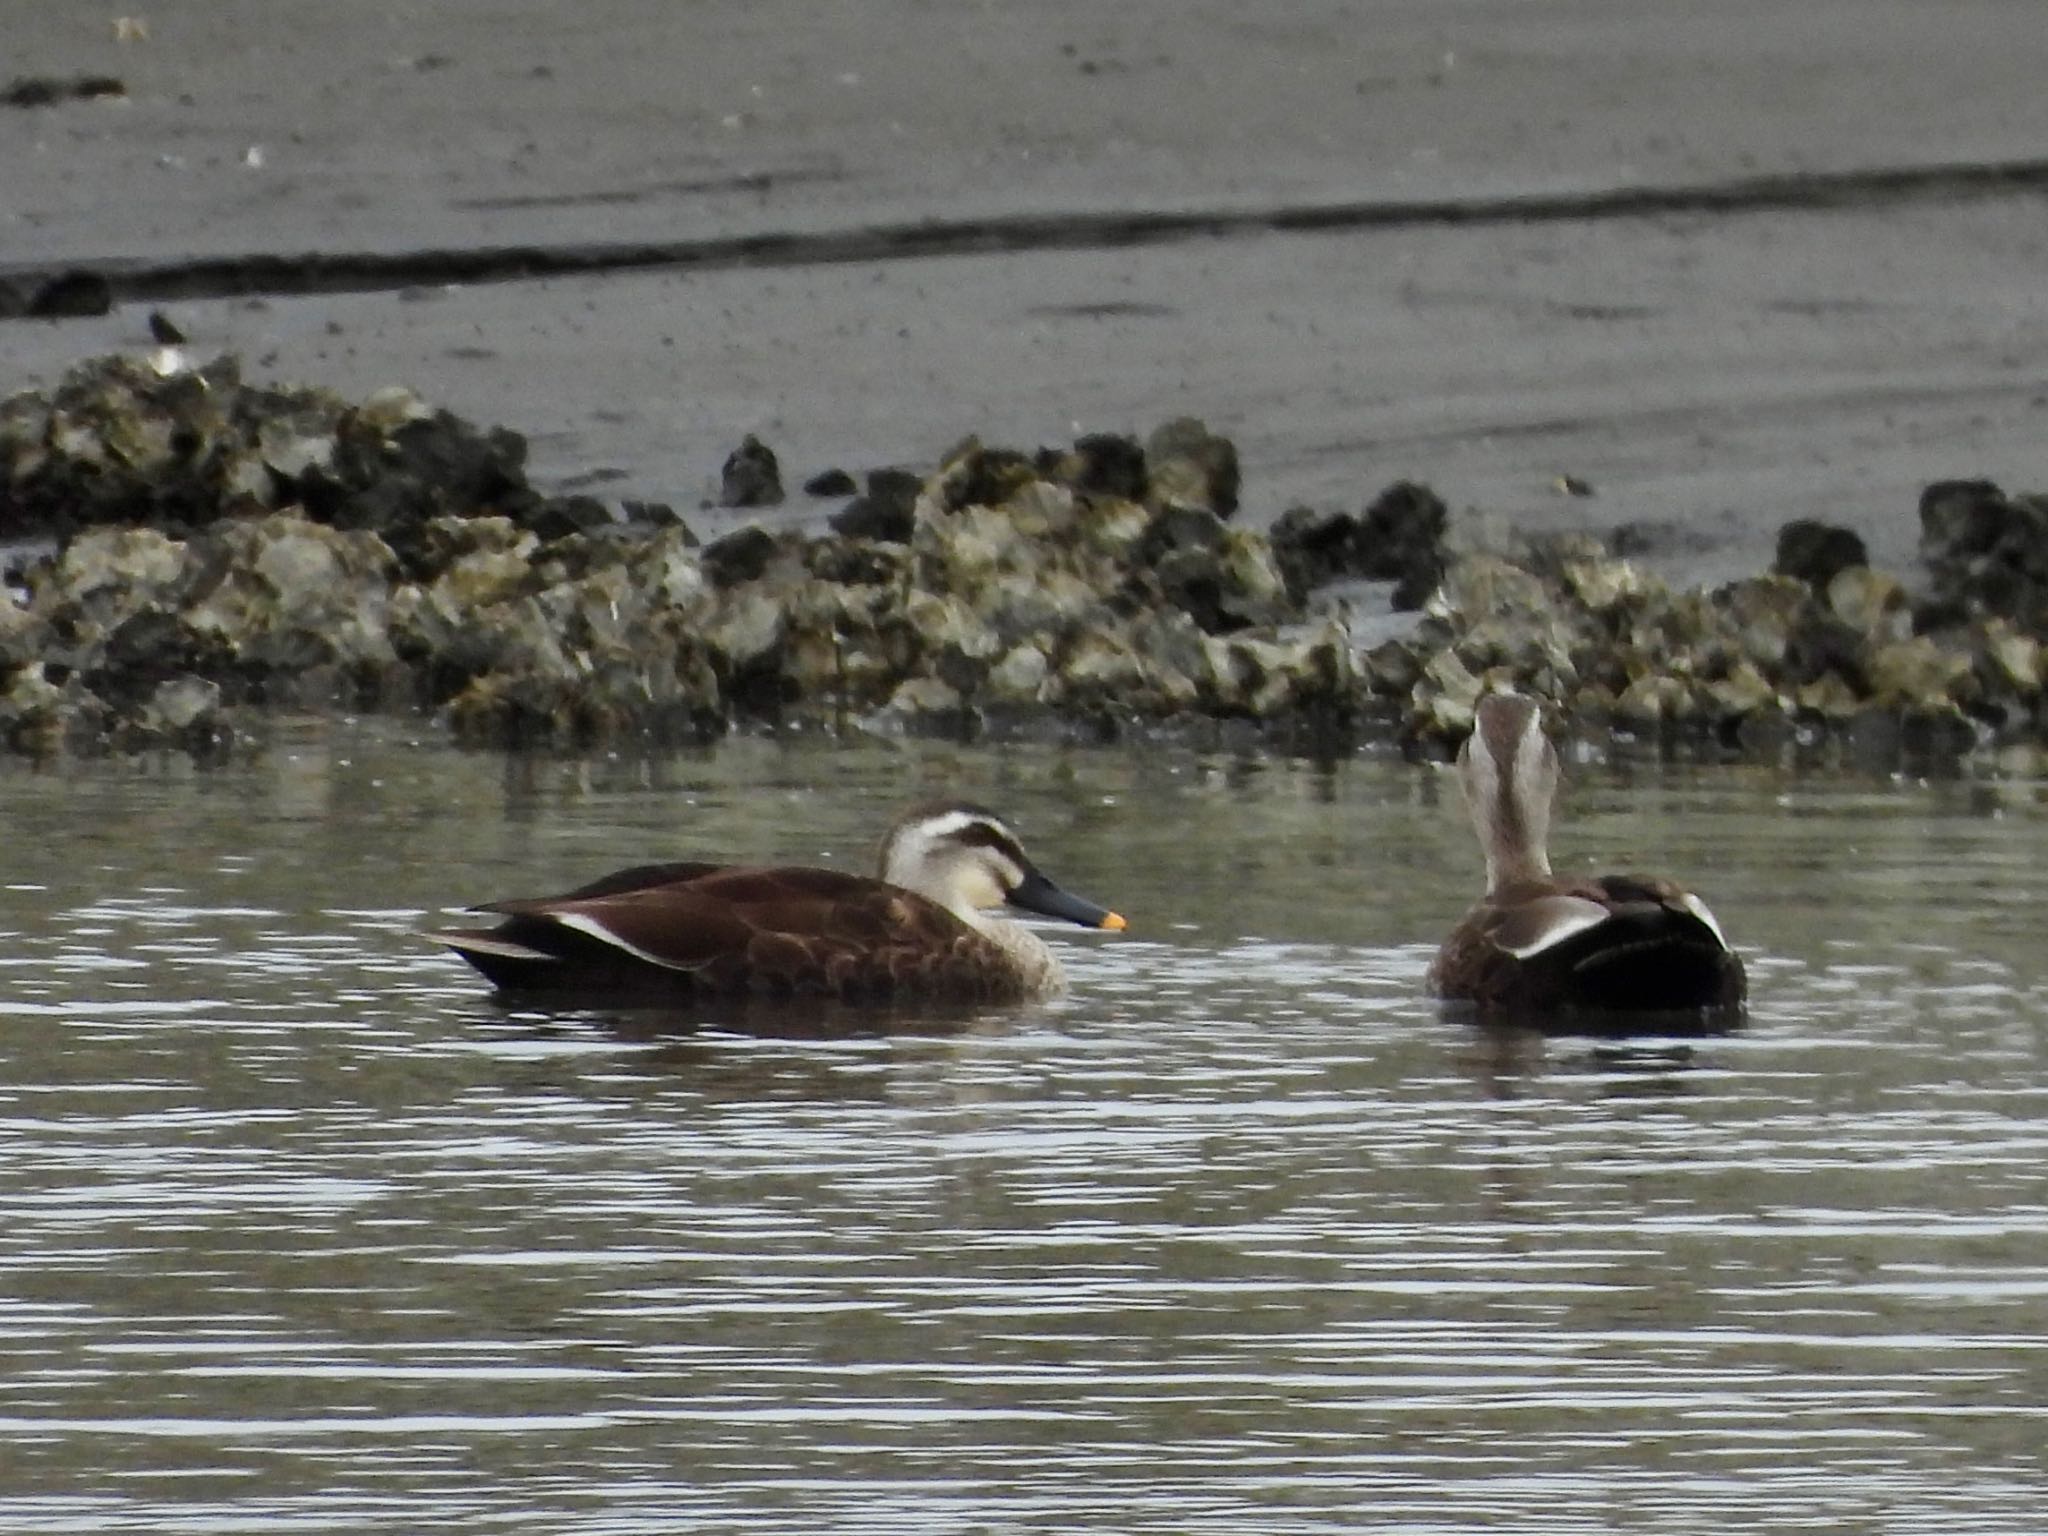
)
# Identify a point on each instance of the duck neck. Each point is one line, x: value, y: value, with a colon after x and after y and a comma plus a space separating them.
x: 1515, y: 865
x: 1508, y: 771
x: 1039, y: 972
x: 1515, y: 830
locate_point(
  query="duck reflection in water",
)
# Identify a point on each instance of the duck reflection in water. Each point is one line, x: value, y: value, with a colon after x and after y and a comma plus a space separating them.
x: 921, y: 932
x: 1608, y: 953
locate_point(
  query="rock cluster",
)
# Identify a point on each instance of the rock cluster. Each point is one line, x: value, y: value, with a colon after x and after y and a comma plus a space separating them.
x: 179, y: 547
x: 1755, y: 663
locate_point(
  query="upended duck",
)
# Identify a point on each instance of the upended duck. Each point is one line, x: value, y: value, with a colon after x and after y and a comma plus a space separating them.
x: 920, y: 931
x: 1535, y: 944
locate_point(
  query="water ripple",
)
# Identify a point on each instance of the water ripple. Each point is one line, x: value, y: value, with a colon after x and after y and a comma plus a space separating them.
x: 298, y: 1231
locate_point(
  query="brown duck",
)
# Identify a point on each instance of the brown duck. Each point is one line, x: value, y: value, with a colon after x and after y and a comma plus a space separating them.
x: 1535, y: 944
x: 920, y: 932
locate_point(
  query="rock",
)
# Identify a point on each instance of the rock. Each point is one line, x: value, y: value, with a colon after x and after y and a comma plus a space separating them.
x: 272, y: 600
x: 1919, y: 676
x: 751, y: 477
x: 392, y: 480
x: 1019, y: 676
x: 1830, y: 696
x: 2016, y: 660
x: 1986, y: 553
x: 921, y: 705
x: 1652, y: 698
x: 1190, y: 466
x: 1392, y: 669
x: 1816, y: 552
x: 972, y: 475
x: 884, y: 510
x: 1743, y: 691
x: 655, y: 514
x: 1101, y: 464
x: 1315, y: 548
x: 1874, y: 602
x: 40, y: 717
x: 558, y: 517
x: 1959, y: 519
x: 830, y: 482
x: 741, y: 556
x: 1398, y: 538
x: 1225, y: 579
x: 182, y: 702
x: 1762, y: 613
x: 1099, y: 667
x: 184, y: 544
x: 854, y: 562
x: 132, y: 563
x: 746, y: 629
x: 1445, y: 697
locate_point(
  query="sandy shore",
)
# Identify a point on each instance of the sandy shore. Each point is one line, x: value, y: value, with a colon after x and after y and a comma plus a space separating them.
x: 1710, y: 370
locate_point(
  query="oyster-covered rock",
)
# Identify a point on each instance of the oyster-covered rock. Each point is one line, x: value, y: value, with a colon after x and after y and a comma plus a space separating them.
x: 2014, y: 660
x: 1019, y: 677
x: 1816, y: 553
x: 1871, y: 601
x: 1187, y: 465
x: 1398, y: 538
x: 971, y: 475
x: 1101, y: 464
x: 884, y: 511
x: 751, y: 477
x: 181, y: 545
x: 831, y: 482
x: 1986, y: 554
x: 1224, y: 578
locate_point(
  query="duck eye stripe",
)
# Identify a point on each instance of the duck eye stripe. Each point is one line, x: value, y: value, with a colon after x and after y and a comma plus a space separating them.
x: 980, y: 834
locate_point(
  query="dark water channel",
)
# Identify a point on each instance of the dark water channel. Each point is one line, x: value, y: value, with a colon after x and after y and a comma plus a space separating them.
x: 298, y: 1231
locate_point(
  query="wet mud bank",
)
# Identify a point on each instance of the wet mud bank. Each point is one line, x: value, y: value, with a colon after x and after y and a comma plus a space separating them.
x: 95, y: 286
x: 182, y: 549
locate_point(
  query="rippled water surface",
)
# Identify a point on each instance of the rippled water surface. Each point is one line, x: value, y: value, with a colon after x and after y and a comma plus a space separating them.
x: 300, y: 1231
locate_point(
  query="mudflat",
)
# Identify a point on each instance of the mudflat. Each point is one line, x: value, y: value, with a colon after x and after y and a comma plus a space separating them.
x: 1720, y: 267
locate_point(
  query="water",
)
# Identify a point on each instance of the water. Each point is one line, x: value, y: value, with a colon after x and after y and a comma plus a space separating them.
x: 300, y: 1232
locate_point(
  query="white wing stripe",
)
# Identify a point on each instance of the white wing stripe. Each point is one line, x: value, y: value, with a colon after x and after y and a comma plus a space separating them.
x: 1561, y: 918
x: 1698, y: 909
x: 584, y: 923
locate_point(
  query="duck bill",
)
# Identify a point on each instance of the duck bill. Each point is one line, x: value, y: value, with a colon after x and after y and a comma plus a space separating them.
x: 1040, y: 895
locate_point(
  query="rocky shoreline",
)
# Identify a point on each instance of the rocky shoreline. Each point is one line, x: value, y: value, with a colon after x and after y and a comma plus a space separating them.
x: 182, y: 549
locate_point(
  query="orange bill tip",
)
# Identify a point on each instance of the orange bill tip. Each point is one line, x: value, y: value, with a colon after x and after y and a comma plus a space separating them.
x: 1114, y: 922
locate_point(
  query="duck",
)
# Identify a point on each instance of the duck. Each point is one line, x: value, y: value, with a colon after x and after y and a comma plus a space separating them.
x: 1536, y: 945
x: 921, y: 930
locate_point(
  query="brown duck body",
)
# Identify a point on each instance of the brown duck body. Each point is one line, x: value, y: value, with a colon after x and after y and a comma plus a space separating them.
x: 1651, y: 953
x: 1536, y: 945
x: 696, y: 931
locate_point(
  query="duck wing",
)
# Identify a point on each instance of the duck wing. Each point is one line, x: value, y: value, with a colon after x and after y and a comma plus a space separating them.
x: 1659, y: 949
x: 725, y: 931
x: 1614, y: 943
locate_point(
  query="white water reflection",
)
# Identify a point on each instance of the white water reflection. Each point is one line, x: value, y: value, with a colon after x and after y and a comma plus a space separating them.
x: 298, y: 1230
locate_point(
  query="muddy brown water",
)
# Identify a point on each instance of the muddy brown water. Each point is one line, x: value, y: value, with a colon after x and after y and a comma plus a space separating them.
x: 300, y: 1231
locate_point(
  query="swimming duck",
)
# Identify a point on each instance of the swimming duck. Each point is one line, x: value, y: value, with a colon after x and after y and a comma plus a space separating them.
x: 1535, y: 944
x: 921, y: 931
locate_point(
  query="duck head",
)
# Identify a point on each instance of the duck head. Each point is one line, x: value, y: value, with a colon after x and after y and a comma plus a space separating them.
x: 967, y: 859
